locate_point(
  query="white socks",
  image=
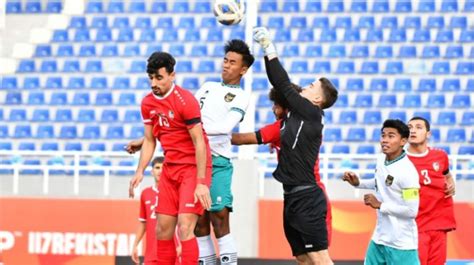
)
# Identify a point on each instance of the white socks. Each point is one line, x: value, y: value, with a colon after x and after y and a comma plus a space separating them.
x: 207, y: 254
x: 227, y: 250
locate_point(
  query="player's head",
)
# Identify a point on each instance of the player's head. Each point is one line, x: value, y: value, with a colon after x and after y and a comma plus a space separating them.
x: 419, y: 130
x: 156, y: 167
x: 160, y: 69
x: 321, y: 93
x: 237, y: 60
x: 280, y: 104
x: 394, y: 136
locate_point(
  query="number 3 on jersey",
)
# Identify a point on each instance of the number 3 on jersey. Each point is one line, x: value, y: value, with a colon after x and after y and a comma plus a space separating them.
x: 426, y: 177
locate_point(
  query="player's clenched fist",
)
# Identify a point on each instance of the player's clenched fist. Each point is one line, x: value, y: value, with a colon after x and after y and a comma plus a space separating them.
x: 133, y: 184
x: 201, y: 193
x: 351, y: 177
x: 262, y: 37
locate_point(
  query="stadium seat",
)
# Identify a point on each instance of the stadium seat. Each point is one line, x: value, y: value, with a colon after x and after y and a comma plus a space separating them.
x: 124, y: 35
x: 94, y: 7
x: 116, y: 6
x: 186, y: 23
x: 423, y: 114
x: 291, y: 50
x: 199, y: 50
x: 403, y: 6
x: 430, y: 52
x: 370, y: 68
x: 48, y: 146
x: 335, y: 6
x: 132, y: 116
x: 412, y: 22
x: 355, y: 84
x: 148, y: 35
x: 276, y: 22
x: 31, y: 162
x: 159, y: 7
x: 444, y: 35
x: 87, y: 50
x: 208, y: 22
x: 397, y: 35
x: 449, y: 6
x: 137, y: 7
x: 407, y: 52
x: 298, y: 22
x: 22, y: 131
x: 332, y: 135
x: 202, y: 7
x: 17, y: 115
x: 427, y: 85
x: 299, y: 67
x: 109, y: 115
x: 126, y: 99
x: 8, y: 82
x: 470, y: 85
x: 454, y: 52
x: 344, y: 67
x: 36, y: 98
x: 263, y: 102
x: 358, y: 6
x: 469, y: 6
x: 343, y: 22
x: 114, y: 132
x: 13, y: 98
x: 458, y: 22
x: 282, y: 35
x: 26, y: 66
x: 193, y: 83
x: 142, y: 22
x: 390, y: 22
x: 31, y: 83
x: 60, y: 35
x: 138, y: 67
x: 13, y: 7
x: 73, y: 146
x: 206, y: 67
x: 91, y: 132
x: 97, y: 147
x: 461, y: 101
x: 348, y: 117
x: 383, y: 52
x: 466, y: 150
x: 153, y: 48
x: 372, y: 117
x: 103, y: 99
x: 467, y: 118
x: 436, y: 101
x: 63, y: 115
x: 313, y: 6
x: 442, y: 68
x: 340, y: 149
x: 387, y: 101
x: 65, y: 50
x: 177, y: 50
x: 378, y: 84
x: 76, y: 82
x: 86, y: 115
x: 118, y: 147
x: 93, y: 66
x: 5, y: 146
x: 136, y: 132
x: 103, y: 35
x: 82, y: 35
x: 98, y: 82
x: 68, y: 132
x: 33, y: 7
x: 456, y: 135
x: 71, y: 66
x: 435, y: 22
x: 291, y: 7
x: 446, y: 118
x: 180, y: 7
x: 328, y: 35
x: 400, y: 115
x: 421, y: 35
x: 380, y: 6
x: 121, y: 83
x: 165, y: 22
x: 412, y: 101
x: 356, y: 135
x: 363, y: 101
x: 342, y: 101
x: 360, y: 51
x: 337, y: 51
x: 314, y: 51
x: 4, y: 131
x: 366, y: 22
x: 45, y: 132
x: 43, y: 51
x: 40, y: 115
x: 465, y: 68
x: 49, y: 66
x: 322, y: 67
x: 451, y: 85
x: 402, y: 85
x: 81, y: 99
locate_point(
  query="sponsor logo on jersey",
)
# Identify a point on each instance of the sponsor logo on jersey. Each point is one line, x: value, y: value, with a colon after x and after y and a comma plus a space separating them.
x: 229, y: 97
x: 389, y: 180
x: 436, y: 166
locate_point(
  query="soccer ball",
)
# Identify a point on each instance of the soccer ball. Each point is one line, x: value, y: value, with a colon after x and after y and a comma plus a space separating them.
x: 229, y: 12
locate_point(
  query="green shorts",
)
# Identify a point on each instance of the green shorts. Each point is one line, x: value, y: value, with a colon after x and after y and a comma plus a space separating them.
x: 221, y: 193
x: 380, y: 254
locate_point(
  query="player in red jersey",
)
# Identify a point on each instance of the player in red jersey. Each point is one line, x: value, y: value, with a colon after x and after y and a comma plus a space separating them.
x: 270, y: 134
x: 148, y: 203
x: 436, y: 213
x: 172, y: 116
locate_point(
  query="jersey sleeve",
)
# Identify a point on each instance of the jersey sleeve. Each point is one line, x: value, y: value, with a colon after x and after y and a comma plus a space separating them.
x: 269, y: 133
x: 142, y: 215
x: 240, y: 103
x: 191, y: 111
x: 146, y: 116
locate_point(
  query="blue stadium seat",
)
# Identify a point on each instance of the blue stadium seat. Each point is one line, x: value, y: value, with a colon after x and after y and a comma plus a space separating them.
x: 208, y: 22
x: 118, y: 147
x: 31, y: 82
x: 206, y: 67
x: 403, y: 6
x: 94, y: 7
x: 313, y: 6
x: 454, y: 52
x: 186, y: 23
x: 71, y: 66
x: 99, y: 22
x: 370, y: 68
x: 142, y: 22
x: 138, y: 67
x: 73, y: 146
x: 109, y: 115
x: 17, y: 115
x: 383, y: 51
x: 26, y: 66
x: 97, y: 147
x: 33, y: 7
x: 103, y: 99
x: 48, y: 146
x: 103, y: 35
x: 340, y: 149
x: 461, y: 101
x: 390, y: 22
x: 328, y: 35
x: 82, y: 35
x: 136, y: 132
x: 436, y: 101
x: 412, y: 101
x: 372, y: 117
x: 65, y: 50
x: 446, y: 118
x: 451, y: 85
x: 22, y: 131
x: 60, y: 35
x: 93, y: 66
x: 355, y: 84
x: 153, y: 48
x: 114, y: 132
x: 87, y: 50
x: 178, y: 50
x: 168, y: 36
x: 358, y: 6
x: 435, y: 22
x: 321, y: 22
x: 407, y: 52
x: 356, y: 135
x: 397, y: 35
x: 13, y: 7
x: 121, y: 83
x: 337, y: 51
x: 332, y: 135
x: 366, y: 22
x: 365, y: 149
x: 421, y: 35
x: 31, y: 162
x: 43, y: 51
x: 98, y: 82
x: 351, y: 35
x: 322, y: 67
x: 398, y: 115
x: 137, y: 7
x: 343, y: 22
x: 159, y: 6
x: 299, y: 67
x: 363, y: 101
x: 198, y: 50
x: 76, y: 83
x: 441, y: 68
x: 469, y: 6
x: 465, y: 68
x: 40, y: 115
x: 430, y: 52
x: 335, y: 6
x: 378, y: 84
x: 91, y: 132
x: 348, y: 117
x: 165, y: 22
x: 466, y: 150
x: 380, y: 6
x: 456, y: 135
x: 9, y: 82
x: 276, y: 22
x: 5, y: 146
x: 4, y: 131
x: 116, y: 6
x: 127, y: 99
x: 81, y: 99
x: 470, y: 85
x: 13, y: 98
x: 298, y: 22
x: 202, y: 7
x: 427, y: 85
x: 291, y: 50
x: 374, y: 35
x: 444, y: 35
x: 426, y: 6
x: 449, y: 6
x: 132, y: 116
x: 360, y: 51
x: 458, y: 22
x: 282, y: 35
x: 402, y: 85
x: 63, y: 115
x: 291, y: 7
x: 49, y: 66
x: 387, y: 101
x: 344, y: 67
x: 1, y: 114
x: 314, y: 51
x: 192, y: 83
x: 412, y: 22
x: 86, y: 115
x: 68, y: 132
x: 260, y: 84
x: 194, y: 35
x: 125, y: 35
x: 180, y: 7
x: 467, y: 118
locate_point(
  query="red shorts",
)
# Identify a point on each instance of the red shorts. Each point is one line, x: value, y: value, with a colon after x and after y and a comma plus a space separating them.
x: 432, y: 247
x: 176, y: 189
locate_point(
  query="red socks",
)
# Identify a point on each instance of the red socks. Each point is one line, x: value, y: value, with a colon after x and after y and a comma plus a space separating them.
x: 166, y: 252
x: 190, y: 254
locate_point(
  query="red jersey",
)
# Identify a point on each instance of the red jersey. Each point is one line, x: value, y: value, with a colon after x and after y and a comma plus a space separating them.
x: 171, y: 117
x: 148, y: 203
x: 436, y: 212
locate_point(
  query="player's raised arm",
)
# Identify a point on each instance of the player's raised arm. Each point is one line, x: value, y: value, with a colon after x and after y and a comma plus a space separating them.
x: 244, y: 138
x: 148, y: 149
x: 202, y: 191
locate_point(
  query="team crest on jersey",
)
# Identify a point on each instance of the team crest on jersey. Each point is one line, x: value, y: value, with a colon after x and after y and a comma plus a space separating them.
x: 389, y: 180
x: 171, y: 114
x: 436, y: 166
x: 229, y: 97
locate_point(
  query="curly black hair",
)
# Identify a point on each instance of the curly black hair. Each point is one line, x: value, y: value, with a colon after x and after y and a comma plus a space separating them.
x: 158, y: 60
